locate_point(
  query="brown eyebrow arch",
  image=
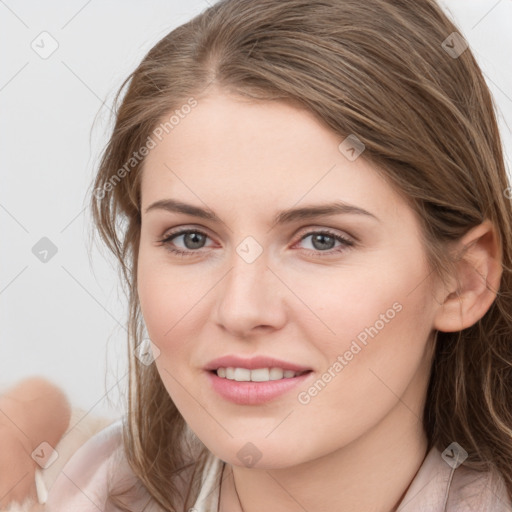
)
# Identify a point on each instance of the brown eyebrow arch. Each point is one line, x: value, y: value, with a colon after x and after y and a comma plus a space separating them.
x: 282, y: 217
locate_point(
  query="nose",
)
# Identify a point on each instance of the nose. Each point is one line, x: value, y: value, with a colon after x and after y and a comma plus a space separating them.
x: 250, y: 298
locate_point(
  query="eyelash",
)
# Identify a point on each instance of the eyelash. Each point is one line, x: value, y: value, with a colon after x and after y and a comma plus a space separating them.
x: 346, y: 243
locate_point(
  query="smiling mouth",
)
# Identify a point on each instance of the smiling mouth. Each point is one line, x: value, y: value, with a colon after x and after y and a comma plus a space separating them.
x: 256, y: 375
x: 255, y: 392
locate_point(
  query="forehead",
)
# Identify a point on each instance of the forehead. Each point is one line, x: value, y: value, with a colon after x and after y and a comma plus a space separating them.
x: 254, y: 157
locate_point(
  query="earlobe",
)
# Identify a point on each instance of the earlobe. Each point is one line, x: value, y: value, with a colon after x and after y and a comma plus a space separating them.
x: 479, y: 270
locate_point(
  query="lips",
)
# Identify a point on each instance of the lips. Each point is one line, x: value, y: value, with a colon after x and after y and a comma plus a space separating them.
x: 253, y: 363
x: 254, y: 393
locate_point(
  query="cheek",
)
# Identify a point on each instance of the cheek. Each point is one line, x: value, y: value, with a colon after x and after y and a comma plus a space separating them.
x: 167, y: 306
x: 381, y: 322
x: 161, y: 290
x: 172, y: 302
x: 368, y: 300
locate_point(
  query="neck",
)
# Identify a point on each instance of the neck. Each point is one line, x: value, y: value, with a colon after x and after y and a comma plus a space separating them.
x: 371, y: 473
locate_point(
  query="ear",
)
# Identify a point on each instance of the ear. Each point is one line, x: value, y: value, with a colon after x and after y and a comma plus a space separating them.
x: 479, y: 270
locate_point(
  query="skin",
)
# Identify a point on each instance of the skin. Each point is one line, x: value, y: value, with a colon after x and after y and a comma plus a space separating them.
x: 245, y: 161
x: 32, y: 411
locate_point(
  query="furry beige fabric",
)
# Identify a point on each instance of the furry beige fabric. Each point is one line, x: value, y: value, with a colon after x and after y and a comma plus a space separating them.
x: 82, y: 426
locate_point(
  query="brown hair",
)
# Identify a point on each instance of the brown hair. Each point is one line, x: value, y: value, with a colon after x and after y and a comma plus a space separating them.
x: 377, y: 69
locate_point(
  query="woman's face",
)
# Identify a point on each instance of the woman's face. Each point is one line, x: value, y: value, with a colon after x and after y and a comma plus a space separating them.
x: 358, y: 314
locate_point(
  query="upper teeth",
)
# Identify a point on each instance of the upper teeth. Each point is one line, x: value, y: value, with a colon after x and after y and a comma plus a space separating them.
x: 258, y: 375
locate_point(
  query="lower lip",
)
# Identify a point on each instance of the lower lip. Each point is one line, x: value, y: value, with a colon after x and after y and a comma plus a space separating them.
x: 253, y: 393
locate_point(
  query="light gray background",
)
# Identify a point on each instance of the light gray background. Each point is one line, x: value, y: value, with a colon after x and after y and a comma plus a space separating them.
x: 65, y: 319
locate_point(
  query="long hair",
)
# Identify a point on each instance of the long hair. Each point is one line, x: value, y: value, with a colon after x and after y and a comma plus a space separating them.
x: 390, y: 72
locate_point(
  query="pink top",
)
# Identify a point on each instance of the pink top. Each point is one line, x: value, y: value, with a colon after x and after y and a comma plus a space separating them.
x: 82, y: 485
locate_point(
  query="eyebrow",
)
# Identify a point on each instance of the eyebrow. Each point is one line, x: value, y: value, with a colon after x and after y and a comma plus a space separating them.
x: 282, y: 217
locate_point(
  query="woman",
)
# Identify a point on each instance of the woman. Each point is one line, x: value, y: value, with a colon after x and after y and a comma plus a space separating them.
x: 261, y: 131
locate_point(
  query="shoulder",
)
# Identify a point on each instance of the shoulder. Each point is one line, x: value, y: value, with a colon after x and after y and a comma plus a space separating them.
x: 100, y: 467
x: 442, y: 485
x: 478, y: 490
x: 83, y: 483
